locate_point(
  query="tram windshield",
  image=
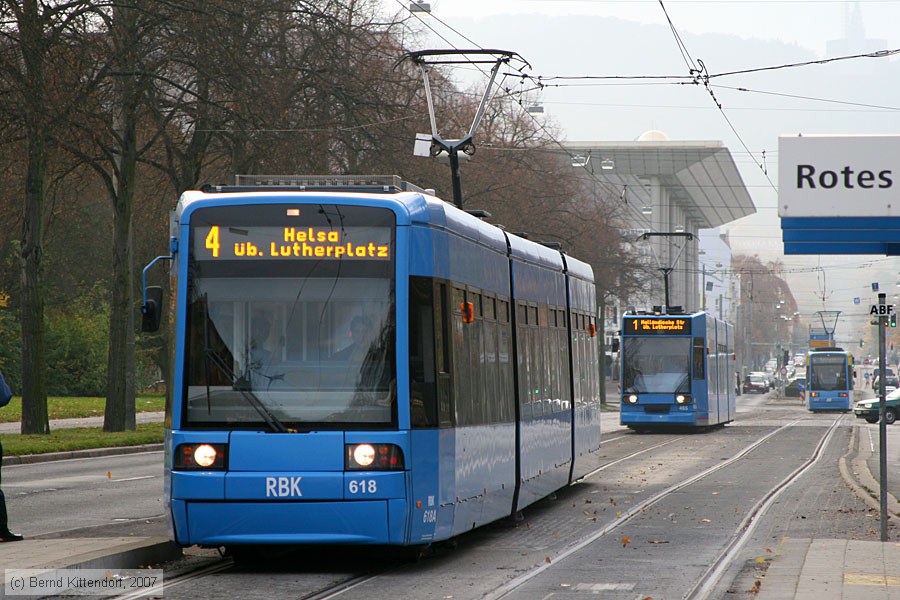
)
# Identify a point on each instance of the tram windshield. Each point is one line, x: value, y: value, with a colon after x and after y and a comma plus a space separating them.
x: 285, y: 339
x: 827, y: 373
x: 656, y: 365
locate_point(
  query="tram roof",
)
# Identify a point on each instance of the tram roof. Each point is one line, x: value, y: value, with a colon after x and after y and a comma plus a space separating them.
x: 701, y: 176
x: 421, y: 208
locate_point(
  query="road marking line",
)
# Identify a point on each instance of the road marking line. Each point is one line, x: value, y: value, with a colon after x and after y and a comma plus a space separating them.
x: 866, y: 579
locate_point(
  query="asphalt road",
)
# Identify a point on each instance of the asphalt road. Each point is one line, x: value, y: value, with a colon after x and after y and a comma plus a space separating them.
x: 115, y: 493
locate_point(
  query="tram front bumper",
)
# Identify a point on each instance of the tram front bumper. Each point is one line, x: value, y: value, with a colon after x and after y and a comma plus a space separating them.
x: 233, y: 523
x: 213, y: 509
x: 649, y: 414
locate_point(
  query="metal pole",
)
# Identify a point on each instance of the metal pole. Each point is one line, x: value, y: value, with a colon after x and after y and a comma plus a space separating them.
x: 666, y: 285
x: 454, y: 177
x: 703, y: 287
x: 882, y: 425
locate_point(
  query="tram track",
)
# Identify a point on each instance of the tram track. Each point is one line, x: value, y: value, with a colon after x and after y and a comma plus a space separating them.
x: 706, y: 585
x: 158, y: 590
x: 707, y: 582
x: 227, y: 564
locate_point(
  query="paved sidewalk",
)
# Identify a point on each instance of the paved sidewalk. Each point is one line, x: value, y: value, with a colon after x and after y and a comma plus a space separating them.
x: 84, y: 553
x: 807, y: 569
x: 141, y: 417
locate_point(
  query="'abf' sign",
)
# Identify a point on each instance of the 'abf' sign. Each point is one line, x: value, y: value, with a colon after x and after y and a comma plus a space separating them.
x: 838, y: 175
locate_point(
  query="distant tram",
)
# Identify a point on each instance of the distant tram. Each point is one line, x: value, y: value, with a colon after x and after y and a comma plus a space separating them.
x: 677, y: 370
x: 358, y: 362
x: 829, y: 379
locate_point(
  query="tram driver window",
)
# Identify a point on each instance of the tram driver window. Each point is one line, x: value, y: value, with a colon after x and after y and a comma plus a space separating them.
x: 423, y: 385
x: 698, y: 356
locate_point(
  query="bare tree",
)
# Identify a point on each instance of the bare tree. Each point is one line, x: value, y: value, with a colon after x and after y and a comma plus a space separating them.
x: 38, y: 45
x: 762, y: 290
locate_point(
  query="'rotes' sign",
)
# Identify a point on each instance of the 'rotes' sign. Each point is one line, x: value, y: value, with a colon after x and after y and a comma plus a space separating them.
x: 838, y: 176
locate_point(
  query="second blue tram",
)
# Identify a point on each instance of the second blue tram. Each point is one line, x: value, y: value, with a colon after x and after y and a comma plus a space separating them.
x: 676, y: 370
x: 829, y: 379
x: 368, y: 365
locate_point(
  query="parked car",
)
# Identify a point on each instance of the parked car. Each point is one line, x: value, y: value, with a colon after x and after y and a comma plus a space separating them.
x: 755, y: 383
x: 868, y: 409
x: 794, y: 386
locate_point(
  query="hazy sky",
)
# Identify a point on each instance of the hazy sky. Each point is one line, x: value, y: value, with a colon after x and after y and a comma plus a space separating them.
x: 633, y: 37
x: 809, y: 23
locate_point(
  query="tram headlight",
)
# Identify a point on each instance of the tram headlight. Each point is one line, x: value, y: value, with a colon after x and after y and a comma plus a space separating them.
x: 373, y: 457
x: 631, y: 398
x: 364, y: 455
x: 682, y: 399
x: 200, y: 457
x: 205, y: 455
x: 814, y: 394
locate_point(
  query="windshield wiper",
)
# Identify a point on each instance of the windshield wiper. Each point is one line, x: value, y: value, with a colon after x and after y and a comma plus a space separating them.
x: 242, y: 385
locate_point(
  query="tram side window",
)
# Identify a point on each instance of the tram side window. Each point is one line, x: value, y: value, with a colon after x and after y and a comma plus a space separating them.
x: 536, y: 373
x: 526, y: 396
x: 443, y: 355
x: 554, y: 359
x: 584, y: 372
x: 481, y: 410
x: 592, y: 360
x: 462, y: 388
x: 698, y: 355
x: 562, y: 344
x: 475, y: 356
x: 723, y: 370
x: 576, y: 359
x: 491, y: 368
x: 505, y: 370
x: 547, y: 396
x: 423, y: 384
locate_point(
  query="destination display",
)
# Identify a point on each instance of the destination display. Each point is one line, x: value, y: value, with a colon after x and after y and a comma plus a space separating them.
x: 657, y: 326
x: 217, y: 242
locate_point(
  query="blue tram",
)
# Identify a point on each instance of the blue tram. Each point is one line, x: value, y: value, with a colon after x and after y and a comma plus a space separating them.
x: 829, y: 379
x: 366, y: 364
x: 676, y: 370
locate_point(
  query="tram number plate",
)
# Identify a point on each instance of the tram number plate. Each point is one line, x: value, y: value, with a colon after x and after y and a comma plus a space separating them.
x: 429, y: 516
x: 362, y: 486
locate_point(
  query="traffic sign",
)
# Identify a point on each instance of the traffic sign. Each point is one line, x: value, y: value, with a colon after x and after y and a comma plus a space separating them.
x: 881, y: 310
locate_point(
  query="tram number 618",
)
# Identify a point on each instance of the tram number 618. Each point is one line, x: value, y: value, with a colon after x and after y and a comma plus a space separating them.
x: 362, y: 486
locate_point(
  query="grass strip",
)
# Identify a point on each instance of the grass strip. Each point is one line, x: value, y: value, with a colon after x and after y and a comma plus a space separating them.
x: 82, y: 438
x: 71, y: 408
